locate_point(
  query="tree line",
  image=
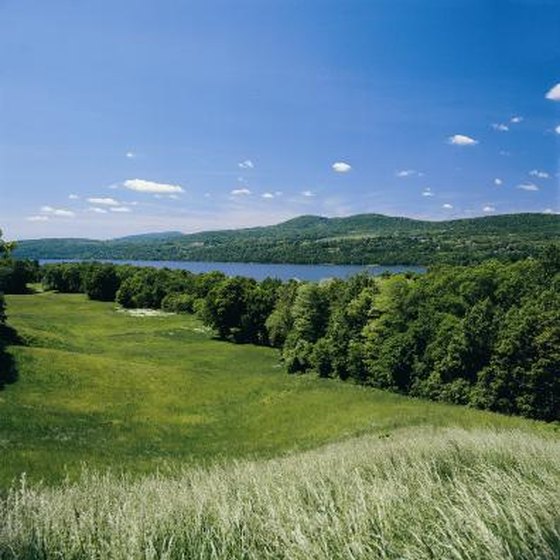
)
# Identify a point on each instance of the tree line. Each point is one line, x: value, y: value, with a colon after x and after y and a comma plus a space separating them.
x: 14, y: 276
x: 486, y: 336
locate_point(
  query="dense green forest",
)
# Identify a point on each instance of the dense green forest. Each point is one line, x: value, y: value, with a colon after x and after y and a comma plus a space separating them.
x: 485, y: 335
x: 360, y: 239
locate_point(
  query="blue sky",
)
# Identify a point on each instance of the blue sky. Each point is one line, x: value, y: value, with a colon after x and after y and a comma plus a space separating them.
x: 129, y: 116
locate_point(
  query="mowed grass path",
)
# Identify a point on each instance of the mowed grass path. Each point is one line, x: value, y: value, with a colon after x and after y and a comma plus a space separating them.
x: 101, y: 388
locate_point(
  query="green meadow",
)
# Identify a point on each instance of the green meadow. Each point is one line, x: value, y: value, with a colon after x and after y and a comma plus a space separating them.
x: 139, y: 436
x: 103, y: 389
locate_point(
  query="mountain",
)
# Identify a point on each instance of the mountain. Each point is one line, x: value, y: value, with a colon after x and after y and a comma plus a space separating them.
x: 359, y: 239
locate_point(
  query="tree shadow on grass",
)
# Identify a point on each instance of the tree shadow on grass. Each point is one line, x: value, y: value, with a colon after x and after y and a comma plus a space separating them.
x: 8, y: 367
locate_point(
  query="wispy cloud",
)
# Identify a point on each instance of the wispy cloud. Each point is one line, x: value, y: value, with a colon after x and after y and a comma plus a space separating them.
x: 267, y: 195
x: 489, y: 208
x: 498, y: 182
x: 539, y: 174
x: 247, y: 164
x: 240, y: 192
x: 530, y: 187
x: 37, y: 218
x: 130, y: 155
x: 307, y: 193
x: 409, y: 173
x: 73, y: 197
x: 341, y: 167
x: 461, y: 140
x: 62, y: 212
x: 557, y: 129
x: 96, y: 210
x: 141, y: 185
x: 104, y: 201
x: 500, y: 127
x: 554, y: 93
x: 448, y: 206
x: 516, y: 119
x: 428, y: 192
x: 123, y: 209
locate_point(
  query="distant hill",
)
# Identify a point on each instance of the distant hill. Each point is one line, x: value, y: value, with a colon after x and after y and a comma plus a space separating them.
x: 157, y: 236
x: 359, y: 239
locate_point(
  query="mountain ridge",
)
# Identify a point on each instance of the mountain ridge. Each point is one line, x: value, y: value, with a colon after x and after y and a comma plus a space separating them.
x: 357, y: 239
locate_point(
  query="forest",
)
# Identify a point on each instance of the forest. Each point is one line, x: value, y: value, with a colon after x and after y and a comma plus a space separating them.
x: 360, y: 239
x: 486, y: 335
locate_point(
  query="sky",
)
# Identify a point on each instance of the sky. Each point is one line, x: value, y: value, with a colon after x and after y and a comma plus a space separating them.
x: 130, y: 116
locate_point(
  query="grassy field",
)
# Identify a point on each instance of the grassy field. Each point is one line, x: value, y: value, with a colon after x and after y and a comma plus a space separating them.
x: 102, y: 388
x: 417, y: 494
x: 153, y: 440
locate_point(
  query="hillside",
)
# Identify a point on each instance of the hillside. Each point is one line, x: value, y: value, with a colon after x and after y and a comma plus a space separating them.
x: 359, y: 239
x: 133, y: 392
x: 192, y: 444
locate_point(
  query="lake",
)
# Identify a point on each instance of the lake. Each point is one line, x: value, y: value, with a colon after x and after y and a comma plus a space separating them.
x: 260, y: 271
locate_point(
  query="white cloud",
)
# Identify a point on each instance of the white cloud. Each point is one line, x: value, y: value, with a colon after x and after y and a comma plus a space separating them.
x: 120, y: 209
x: 240, y: 192
x: 504, y: 153
x: 539, y: 174
x: 530, y: 187
x: 461, y: 140
x: 557, y: 129
x: 267, y: 195
x: 130, y: 155
x: 489, y: 208
x: 554, y: 93
x: 97, y: 210
x: 57, y: 211
x: 341, y: 167
x: 247, y: 164
x: 308, y: 193
x: 104, y: 201
x: 498, y: 182
x: 73, y: 197
x: 516, y: 119
x: 427, y: 192
x: 448, y: 206
x: 500, y: 127
x: 37, y: 219
x: 141, y: 185
x: 409, y: 173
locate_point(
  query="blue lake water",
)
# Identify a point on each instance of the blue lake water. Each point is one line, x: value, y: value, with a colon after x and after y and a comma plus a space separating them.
x: 260, y: 271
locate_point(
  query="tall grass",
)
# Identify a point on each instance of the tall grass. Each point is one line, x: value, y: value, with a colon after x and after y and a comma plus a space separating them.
x: 418, y: 494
